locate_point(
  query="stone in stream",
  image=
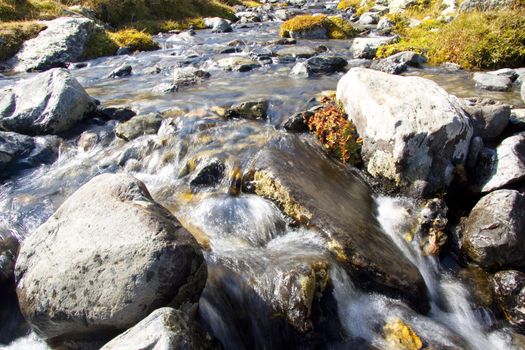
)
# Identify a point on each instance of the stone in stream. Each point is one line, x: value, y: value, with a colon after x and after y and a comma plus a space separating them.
x: 238, y: 63
x: 163, y: 329
x: 138, y: 126
x: 48, y: 103
x: 367, y: 47
x: 209, y: 175
x: 123, y: 71
x: 414, y: 133
x: 398, y: 63
x: 319, y: 65
x: 248, y: 110
x: 296, y: 51
x: 489, y: 117
x: 522, y: 91
x: 13, y: 146
x: 298, y: 122
x: 323, y: 194
x: 218, y: 25
x: 509, y: 289
x: 188, y: 76
x: 62, y: 42
x: 105, y: 260
x: 492, y: 82
x: 502, y: 166
x: 494, y: 232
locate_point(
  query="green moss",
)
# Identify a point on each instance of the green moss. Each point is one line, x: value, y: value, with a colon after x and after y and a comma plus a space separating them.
x: 473, y: 40
x: 13, y: 35
x: 134, y: 40
x: 336, y: 27
x: 18, y: 10
x: 100, y: 44
x: 346, y: 4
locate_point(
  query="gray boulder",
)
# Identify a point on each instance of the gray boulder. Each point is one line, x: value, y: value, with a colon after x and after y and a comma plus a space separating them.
x: 398, y: 63
x: 188, y: 76
x: 249, y: 110
x: 319, y: 65
x: 13, y: 146
x: 485, y: 5
x: 509, y: 289
x: 218, y: 25
x: 138, y: 126
x: 338, y: 203
x: 163, y: 329
x: 367, y: 47
x: 414, y: 133
x: 105, y: 260
x: 49, y: 103
x: 492, y: 82
x: 501, y: 167
x: 238, y: 63
x: 494, y: 232
x: 63, y: 41
x: 489, y: 117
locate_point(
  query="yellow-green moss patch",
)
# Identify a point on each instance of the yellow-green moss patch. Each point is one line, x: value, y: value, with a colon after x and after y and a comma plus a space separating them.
x: 100, y: 44
x: 134, y: 40
x: 336, y: 27
x: 13, y: 35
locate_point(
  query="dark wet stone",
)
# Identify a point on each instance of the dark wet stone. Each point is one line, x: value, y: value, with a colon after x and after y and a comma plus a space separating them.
x: 509, y: 288
x: 208, y: 176
x: 298, y: 122
x: 323, y: 194
x: 138, y: 126
x: 489, y: 117
x: 122, y: 71
x: 123, y: 51
x: 12, y: 147
x: 248, y: 110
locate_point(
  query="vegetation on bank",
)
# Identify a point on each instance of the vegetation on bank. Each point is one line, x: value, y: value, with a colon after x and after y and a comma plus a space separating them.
x: 13, y: 35
x: 336, y: 27
x: 473, y: 40
x: 337, y: 133
x: 359, y: 6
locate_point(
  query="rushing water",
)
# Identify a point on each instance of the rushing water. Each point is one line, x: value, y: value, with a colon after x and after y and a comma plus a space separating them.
x: 253, y: 248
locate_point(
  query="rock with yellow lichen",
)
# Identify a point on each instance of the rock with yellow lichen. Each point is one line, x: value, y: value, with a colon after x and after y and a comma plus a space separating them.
x: 400, y: 336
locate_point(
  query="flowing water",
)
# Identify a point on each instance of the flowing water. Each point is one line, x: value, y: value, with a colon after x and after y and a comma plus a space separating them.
x: 253, y: 251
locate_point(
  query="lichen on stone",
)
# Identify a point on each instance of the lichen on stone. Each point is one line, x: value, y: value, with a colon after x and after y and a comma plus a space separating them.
x: 400, y: 336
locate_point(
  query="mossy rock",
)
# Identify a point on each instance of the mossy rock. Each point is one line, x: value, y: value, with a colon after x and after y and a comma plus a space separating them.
x: 134, y: 40
x: 318, y: 26
x: 13, y: 35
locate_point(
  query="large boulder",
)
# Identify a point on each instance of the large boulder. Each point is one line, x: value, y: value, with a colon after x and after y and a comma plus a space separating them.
x: 494, y: 232
x: 500, y: 167
x: 163, y: 329
x: 321, y: 193
x: 49, y: 103
x: 509, y: 289
x: 62, y: 42
x: 105, y: 260
x: 414, y: 133
x: 489, y: 118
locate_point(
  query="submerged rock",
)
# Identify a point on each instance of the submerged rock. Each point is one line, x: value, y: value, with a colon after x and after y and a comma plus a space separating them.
x: 188, y: 76
x: 320, y: 65
x: 494, y: 232
x: 296, y: 51
x: 489, y: 117
x: 325, y: 195
x: 138, y: 126
x: 509, y: 289
x: 122, y: 71
x: 49, y: 103
x: 500, y: 167
x: 163, y: 329
x: 238, y: 63
x: 62, y: 42
x: 106, y: 259
x: 414, y: 133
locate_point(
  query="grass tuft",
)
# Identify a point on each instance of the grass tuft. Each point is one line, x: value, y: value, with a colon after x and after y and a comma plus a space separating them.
x: 336, y: 27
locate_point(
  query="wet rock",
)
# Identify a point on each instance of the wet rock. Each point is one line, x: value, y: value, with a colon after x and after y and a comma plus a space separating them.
x: 517, y: 120
x: 189, y: 76
x: 414, y: 133
x: 87, y: 141
x: 248, y: 110
x: 165, y: 88
x: 368, y: 18
x: 314, y: 33
x: 296, y: 51
x: 138, y: 126
x: 105, y: 260
x: 319, y: 65
x: 489, y: 117
x: 298, y: 122
x: 238, y: 63
x: 398, y: 63
x: 163, y: 329
x: 118, y: 113
x: 49, y: 103
x: 432, y: 222
x: 152, y: 70
x: 399, y: 335
x: 338, y: 203
x: 492, y: 82
x: 500, y: 167
x: 476, y: 146
x: 509, y: 288
x: 13, y: 146
x: 209, y: 175
x: 218, y: 25
x: 485, y: 5
x: 367, y: 47
x: 478, y: 282
x: 62, y: 42
x: 122, y: 51
x: 494, y: 232
x: 122, y: 71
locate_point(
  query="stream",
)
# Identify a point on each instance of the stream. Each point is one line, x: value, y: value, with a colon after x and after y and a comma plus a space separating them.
x: 251, y: 243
